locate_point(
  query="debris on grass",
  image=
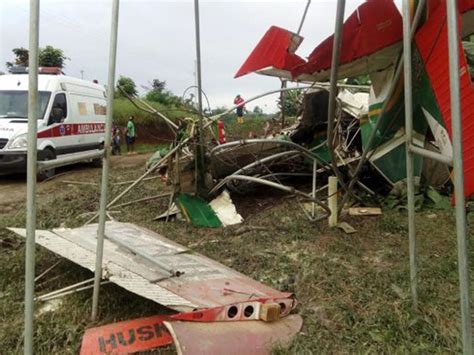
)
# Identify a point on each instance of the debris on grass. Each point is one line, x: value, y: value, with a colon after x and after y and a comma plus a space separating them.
x: 365, y: 211
x: 346, y: 227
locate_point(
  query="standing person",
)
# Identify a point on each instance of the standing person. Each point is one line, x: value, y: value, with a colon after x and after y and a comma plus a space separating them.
x: 116, y: 141
x: 131, y: 135
x: 240, y: 108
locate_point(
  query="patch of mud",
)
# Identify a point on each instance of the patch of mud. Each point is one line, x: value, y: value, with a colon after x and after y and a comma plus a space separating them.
x: 259, y: 200
x: 13, y: 187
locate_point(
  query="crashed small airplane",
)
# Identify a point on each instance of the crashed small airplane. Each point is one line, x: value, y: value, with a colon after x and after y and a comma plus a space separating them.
x: 372, y: 45
x: 219, y: 310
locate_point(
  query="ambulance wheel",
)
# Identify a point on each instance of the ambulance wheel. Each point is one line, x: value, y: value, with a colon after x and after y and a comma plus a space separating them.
x: 48, y: 154
x: 97, y: 163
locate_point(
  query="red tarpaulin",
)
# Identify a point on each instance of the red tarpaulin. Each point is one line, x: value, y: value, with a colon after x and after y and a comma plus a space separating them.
x: 275, y: 49
x: 432, y: 42
x: 376, y: 24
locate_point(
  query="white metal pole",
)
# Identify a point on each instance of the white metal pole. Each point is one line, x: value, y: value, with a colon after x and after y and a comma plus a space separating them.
x: 336, y: 50
x: 407, y: 63
x: 315, y: 174
x: 461, y: 227
x: 282, y: 102
x: 31, y: 176
x: 199, y: 156
x: 303, y: 17
x: 332, y: 200
x: 106, y: 158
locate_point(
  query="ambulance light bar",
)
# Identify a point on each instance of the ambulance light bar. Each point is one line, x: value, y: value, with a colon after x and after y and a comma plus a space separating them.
x: 18, y: 70
x: 50, y: 70
x: 41, y: 70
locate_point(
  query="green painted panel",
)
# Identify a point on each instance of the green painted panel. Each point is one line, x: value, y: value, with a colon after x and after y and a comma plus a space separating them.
x: 423, y: 95
x: 393, y: 164
x: 394, y: 119
x: 197, y: 211
x: 322, y: 153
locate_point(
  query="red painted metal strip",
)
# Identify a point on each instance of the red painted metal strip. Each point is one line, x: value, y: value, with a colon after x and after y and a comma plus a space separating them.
x: 273, y: 50
x: 463, y: 5
x: 432, y: 42
x: 127, y: 337
x: 375, y: 25
x: 72, y: 129
x: 149, y: 333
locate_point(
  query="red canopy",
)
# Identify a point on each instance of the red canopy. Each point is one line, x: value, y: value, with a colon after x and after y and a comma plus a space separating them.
x: 276, y: 49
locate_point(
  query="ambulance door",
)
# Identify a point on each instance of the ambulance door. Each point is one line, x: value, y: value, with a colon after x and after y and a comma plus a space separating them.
x: 100, y: 110
x: 59, y: 130
x: 81, y: 112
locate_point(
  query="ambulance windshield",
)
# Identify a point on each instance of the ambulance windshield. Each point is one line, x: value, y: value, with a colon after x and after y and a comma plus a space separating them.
x: 14, y: 104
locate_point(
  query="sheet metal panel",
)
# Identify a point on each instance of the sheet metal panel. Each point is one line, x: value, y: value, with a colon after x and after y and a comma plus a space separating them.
x: 205, y: 283
x: 432, y: 42
x: 255, y: 337
x: 374, y: 26
x: 276, y: 49
x: 115, y: 273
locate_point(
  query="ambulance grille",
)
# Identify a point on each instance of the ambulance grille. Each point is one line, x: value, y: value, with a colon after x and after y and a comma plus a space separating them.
x: 3, y: 143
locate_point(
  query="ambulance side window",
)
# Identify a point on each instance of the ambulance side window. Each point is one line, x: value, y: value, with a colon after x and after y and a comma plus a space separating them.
x: 59, y: 109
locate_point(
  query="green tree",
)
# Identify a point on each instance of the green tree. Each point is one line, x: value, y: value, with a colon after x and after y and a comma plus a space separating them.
x: 158, y: 85
x: 127, y: 85
x: 293, y: 103
x: 158, y: 93
x: 47, y: 57
x: 218, y: 110
x: 257, y: 110
x: 52, y: 57
x: 21, y: 58
x: 359, y: 80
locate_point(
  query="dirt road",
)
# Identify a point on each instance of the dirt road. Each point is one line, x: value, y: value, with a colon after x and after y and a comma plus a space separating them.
x: 13, y: 187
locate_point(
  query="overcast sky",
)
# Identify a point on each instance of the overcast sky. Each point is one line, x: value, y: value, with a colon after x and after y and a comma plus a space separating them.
x: 156, y: 39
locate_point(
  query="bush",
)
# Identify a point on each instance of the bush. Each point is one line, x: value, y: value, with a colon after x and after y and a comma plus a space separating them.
x: 123, y: 109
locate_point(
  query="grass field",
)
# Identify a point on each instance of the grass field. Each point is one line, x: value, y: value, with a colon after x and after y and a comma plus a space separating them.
x: 123, y: 109
x: 353, y: 291
x: 143, y: 147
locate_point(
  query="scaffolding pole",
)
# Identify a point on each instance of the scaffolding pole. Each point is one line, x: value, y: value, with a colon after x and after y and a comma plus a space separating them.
x: 333, y: 89
x: 31, y: 176
x: 201, y: 188
x: 461, y: 227
x: 305, y: 12
x: 106, y: 158
x: 409, y: 153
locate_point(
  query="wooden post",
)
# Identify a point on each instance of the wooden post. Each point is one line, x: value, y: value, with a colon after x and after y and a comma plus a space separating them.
x: 332, y: 200
x: 282, y: 102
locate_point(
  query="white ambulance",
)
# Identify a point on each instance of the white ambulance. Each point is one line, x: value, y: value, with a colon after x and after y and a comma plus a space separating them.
x: 71, y: 120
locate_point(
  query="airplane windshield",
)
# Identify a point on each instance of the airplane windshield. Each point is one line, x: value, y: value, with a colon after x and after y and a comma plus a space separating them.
x: 14, y: 104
